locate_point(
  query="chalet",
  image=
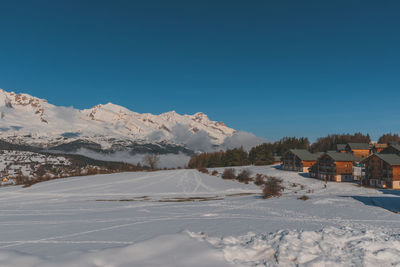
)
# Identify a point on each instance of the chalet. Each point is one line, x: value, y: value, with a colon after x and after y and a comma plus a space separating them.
x: 377, y: 148
x: 341, y: 148
x: 383, y: 170
x: 277, y: 160
x: 334, y: 166
x: 359, y: 150
x: 298, y: 160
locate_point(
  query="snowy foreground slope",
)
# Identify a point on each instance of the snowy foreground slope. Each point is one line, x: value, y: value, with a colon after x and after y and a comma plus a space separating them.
x: 184, y: 218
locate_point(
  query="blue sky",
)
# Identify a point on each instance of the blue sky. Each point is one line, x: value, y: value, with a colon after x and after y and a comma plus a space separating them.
x: 274, y: 68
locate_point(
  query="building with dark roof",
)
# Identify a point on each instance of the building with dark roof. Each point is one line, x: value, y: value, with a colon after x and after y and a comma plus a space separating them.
x: 334, y: 166
x: 298, y: 160
x: 277, y: 159
x: 378, y: 148
x: 391, y: 149
x: 382, y: 170
x: 359, y: 150
x: 341, y: 148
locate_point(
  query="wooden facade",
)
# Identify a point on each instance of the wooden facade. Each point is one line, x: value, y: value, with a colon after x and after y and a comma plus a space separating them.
x: 383, y: 170
x: 333, y: 166
x: 378, y: 148
x: 299, y: 160
x: 358, y: 150
x: 277, y: 160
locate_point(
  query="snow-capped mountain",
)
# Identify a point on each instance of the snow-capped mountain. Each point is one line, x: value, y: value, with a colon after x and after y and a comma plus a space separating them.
x: 28, y: 120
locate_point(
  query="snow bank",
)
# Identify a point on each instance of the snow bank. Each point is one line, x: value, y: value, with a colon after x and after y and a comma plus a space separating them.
x: 170, y: 250
x: 330, y: 246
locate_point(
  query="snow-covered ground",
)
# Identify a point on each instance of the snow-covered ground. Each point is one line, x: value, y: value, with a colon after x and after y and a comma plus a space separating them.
x: 185, y: 218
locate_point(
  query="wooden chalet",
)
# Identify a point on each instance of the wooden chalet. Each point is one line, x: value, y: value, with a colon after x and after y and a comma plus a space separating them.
x: 334, y: 166
x: 341, y: 148
x: 359, y: 150
x: 382, y: 170
x: 277, y: 160
x: 378, y: 148
x: 298, y: 160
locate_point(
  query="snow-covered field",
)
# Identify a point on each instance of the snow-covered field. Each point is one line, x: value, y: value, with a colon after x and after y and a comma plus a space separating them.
x: 185, y: 218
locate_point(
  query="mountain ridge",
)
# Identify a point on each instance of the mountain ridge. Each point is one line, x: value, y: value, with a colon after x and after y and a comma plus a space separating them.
x: 28, y: 120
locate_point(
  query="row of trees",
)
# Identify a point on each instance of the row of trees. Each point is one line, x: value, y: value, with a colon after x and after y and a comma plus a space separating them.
x: 331, y: 141
x: 231, y: 157
x: 259, y: 155
x: 264, y: 154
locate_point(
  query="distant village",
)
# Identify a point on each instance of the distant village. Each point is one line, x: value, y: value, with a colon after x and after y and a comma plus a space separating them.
x: 372, y: 164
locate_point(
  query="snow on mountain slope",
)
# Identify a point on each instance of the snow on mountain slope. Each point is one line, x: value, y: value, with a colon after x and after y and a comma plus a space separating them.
x: 30, y: 120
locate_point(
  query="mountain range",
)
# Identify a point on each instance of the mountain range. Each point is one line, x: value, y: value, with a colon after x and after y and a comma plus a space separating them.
x: 26, y: 120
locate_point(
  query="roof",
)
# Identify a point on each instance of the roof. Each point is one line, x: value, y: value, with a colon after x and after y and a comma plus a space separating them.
x: 277, y: 158
x: 304, y: 154
x: 362, y: 146
x: 341, y: 146
x: 391, y: 159
x: 337, y: 156
x: 397, y: 147
x: 380, y: 145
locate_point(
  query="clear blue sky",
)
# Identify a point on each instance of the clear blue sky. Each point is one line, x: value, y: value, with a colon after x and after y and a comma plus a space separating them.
x: 274, y: 68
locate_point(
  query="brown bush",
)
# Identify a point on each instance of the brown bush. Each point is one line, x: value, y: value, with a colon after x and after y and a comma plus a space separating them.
x: 214, y: 173
x: 259, y: 179
x: 203, y: 170
x: 244, y: 176
x: 304, y: 197
x: 229, y: 173
x: 273, y: 187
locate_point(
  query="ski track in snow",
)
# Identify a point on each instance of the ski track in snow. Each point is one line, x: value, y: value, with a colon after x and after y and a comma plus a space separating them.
x: 51, y: 218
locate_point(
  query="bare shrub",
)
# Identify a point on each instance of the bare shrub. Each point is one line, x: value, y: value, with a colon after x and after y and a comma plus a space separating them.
x: 294, y: 185
x: 302, y: 187
x: 229, y: 173
x: 259, y: 179
x: 304, y: 197
x: 214, y: 173
x: 203, y: 170
x: 244, y: 176
x: 21, y: 179
x: 273, y: 187
x: 152, y: 161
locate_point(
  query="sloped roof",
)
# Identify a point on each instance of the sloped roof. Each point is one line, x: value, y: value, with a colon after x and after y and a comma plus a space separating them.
x: 277, y: 158
x: 362, y: 146
x: 304, y: 154
x: 341, y: 146
x: 397, y: 147
x: 391, y: 159
x: 337, y: 156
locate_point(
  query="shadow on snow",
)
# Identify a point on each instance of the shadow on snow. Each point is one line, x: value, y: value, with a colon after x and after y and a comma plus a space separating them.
x: 386, y: 202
